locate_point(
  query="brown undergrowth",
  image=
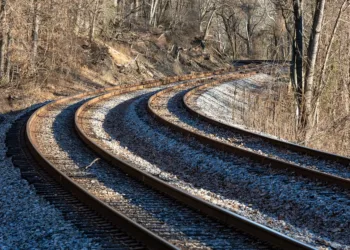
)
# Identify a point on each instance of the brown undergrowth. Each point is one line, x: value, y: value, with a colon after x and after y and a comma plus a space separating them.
x: 272, y: 111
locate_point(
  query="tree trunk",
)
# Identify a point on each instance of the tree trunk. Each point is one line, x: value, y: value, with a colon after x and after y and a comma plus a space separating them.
x: 137, y: 6
x: 78, y: 17
x: 152, y: 17
x: 249, y: 52
x: 322, y: 82
x: 163, y: 7
x: 7, y: 67
x: 131, y: 15
x: 3, y: 39
x: 275, y: 52
x: 236, y: 45
x: 297, y: 57
x: 232, y: 47
x: 123, y: 7
x: 310, y: 68
x: 93, y: 21
x: 249, y: 35
x: 2, y: 54
x: 346, y: 97
x: 35, y: 30
x: 346, y: 80
x: 206, y: 32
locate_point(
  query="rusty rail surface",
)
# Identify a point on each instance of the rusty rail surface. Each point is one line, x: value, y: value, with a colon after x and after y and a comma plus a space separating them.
x: 275, y: 163
x: 259, y: 231
x: 142, y: 234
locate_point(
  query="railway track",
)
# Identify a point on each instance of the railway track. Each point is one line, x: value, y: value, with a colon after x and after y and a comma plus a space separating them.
x: 52, y: 141
x: 141, y: 205
x: 167, y: 107
x: 331, y: 168
x: 299, y: 160
x: 86, y: 131
x: 205, y: 231
x: 97, y: 228
x: 70, y: 178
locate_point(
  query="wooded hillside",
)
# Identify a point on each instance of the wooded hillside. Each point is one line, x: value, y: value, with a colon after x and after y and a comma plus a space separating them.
x: 59, y: 47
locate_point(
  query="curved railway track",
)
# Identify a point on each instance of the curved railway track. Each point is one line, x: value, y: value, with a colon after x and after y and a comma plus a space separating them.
x: 227, y: 217
x: 133, y: 200
x: 232, y: 142
x: 166, y: 107
x: 53, y: 165
x: 343, y: 163
x: 98, y: 229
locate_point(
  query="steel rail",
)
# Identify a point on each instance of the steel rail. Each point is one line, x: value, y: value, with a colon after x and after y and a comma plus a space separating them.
x: 259, y: 231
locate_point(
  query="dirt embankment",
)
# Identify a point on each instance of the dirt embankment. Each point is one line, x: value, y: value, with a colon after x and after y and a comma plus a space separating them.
x: 131, y: 58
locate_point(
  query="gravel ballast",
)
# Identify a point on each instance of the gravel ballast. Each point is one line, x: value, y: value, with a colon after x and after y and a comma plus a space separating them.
x: 28, y: 221
x: 227, y: 99
x: 306, y: 211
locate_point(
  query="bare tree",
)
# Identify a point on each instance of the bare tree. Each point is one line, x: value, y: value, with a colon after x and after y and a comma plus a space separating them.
x: 253, y: 17
x: 279, y: 37
x: 207, y: 10
x: 322, y: 79
x: 93, y: 19
x: 3, y: 36
x: 230, y: 20
x: 137, y: 9
x: 153, y: 9
x: 207, y: 27
x: 35, y: 30
x: 77, y: 17
x: 310, y: 68
x: 297, y: 68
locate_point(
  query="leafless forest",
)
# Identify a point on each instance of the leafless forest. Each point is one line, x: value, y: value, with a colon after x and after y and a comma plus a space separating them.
x: 47, y: 43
